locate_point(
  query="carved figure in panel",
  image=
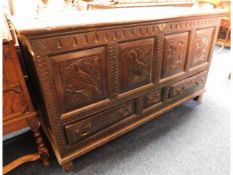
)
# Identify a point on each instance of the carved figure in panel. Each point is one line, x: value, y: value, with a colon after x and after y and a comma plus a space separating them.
x: 175, y: 54
x: 84, y: 78
x: 135, y: 63
x: 202, y: 46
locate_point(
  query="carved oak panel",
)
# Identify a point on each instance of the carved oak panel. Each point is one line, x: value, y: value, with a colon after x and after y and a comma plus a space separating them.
x: 135, y: 63
x: 80, y: 77
x: 80, y: 130
x: 201, y: 46
x: 175, y: 51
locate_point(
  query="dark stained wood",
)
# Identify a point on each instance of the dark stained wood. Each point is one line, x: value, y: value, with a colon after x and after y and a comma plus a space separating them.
x: 135, y: 63
x: 80, y: 130
x: 175, y: 54
x: 68, y: 167
x: 99, y: 80
x: 91, y: 68
x: 201, y: 47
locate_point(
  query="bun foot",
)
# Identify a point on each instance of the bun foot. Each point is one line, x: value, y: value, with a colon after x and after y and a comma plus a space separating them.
x: 68, y: 167
x: 198, y: 98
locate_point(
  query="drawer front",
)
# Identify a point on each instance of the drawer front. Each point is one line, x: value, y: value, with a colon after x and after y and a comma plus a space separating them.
x: 187, y: 86
x: 152, y: 100
x: 87, y: 127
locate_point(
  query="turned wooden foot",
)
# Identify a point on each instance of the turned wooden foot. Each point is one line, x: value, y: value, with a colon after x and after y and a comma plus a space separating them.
x: 198, y: 98
x: 68, y: 167
x: 42, y: 150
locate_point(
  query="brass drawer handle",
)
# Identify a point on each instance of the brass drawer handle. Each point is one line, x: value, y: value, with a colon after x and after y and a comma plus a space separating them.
x: 84, y: 130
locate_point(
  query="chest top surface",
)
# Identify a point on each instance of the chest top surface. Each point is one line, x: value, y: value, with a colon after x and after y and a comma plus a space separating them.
x: 95, y: 18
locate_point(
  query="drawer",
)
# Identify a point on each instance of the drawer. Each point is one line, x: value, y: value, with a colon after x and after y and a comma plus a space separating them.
x: 187, y: 86
x: 152, y: 100
x: 87, y: 127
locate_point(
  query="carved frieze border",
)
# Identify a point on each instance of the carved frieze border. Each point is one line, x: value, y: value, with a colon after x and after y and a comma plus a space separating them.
x: 104, y: 36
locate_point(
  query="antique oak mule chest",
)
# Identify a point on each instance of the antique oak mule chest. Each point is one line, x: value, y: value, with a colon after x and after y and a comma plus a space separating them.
x: 96, y: 75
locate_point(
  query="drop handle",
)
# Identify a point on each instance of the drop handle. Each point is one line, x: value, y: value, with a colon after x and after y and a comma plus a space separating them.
x: 84, y: 130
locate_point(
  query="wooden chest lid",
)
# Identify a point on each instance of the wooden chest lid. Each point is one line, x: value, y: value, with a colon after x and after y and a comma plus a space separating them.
x: 50, y: 22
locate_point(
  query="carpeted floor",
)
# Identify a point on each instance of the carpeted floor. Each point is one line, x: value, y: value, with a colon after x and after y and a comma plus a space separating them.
x: 192, y: 139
